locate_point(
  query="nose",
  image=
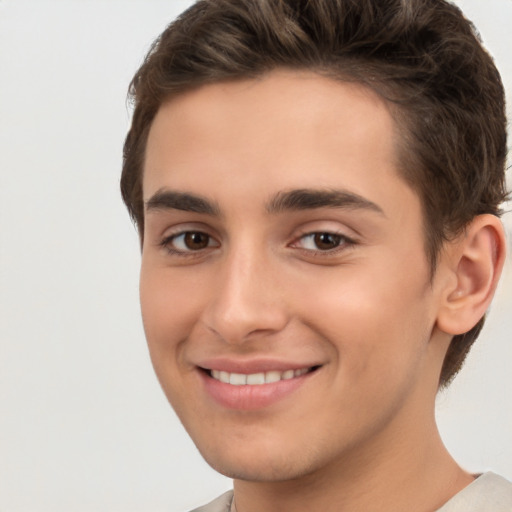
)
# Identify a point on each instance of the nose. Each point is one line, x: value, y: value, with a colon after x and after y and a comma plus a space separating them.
x: 247, y: 300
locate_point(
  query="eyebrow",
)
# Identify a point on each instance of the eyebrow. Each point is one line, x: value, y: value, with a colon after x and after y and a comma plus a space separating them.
x: 309, y: 199
x: 173, y: 200
x: 292, y: 200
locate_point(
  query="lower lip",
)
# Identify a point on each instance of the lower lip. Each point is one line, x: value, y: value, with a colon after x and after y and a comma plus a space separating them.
x: 248, y: 397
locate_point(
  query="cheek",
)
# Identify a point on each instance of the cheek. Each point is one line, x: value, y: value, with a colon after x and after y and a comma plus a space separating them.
x: 376, y: 324
x: 379, y: 347
x: 167, y: 312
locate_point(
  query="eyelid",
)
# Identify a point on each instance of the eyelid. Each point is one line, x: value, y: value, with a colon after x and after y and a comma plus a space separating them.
x: 176, y: 236
x: 184, y: 227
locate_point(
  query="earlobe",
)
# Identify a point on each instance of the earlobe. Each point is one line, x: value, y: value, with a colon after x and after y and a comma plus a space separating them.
x: 477, y: 259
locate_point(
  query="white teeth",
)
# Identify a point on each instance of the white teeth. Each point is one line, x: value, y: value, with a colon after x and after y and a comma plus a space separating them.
x: 272, y: 377
x: 238, y: 379
x: 256, y: 379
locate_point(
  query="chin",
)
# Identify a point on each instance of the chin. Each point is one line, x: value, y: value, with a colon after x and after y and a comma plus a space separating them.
x: 259, y: 462
x: 264, y: 469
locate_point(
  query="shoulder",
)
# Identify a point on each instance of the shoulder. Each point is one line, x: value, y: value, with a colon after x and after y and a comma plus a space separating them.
x: 220, y: 504
x: 488, y: 493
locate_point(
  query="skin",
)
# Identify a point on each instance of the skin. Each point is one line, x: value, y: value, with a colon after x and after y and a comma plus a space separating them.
x: 360, y: 430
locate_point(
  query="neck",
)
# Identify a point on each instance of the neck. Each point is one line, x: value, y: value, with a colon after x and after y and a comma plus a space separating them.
x: 413, y: 471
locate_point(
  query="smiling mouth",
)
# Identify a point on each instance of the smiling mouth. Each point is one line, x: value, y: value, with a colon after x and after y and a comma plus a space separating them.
x: 258, y: 379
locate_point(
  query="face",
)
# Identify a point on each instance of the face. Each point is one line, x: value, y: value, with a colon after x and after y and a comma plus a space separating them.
x: 285, y: 289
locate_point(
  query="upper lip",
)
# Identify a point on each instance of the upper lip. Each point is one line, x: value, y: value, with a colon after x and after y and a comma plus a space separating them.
x: 255, y: 365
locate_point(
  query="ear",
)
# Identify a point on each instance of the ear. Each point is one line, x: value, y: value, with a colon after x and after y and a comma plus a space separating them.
x: 475, y: 261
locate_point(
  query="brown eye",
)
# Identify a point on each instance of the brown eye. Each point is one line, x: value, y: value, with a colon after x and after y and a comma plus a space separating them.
x: 326, y: 241
x: 196, y: 241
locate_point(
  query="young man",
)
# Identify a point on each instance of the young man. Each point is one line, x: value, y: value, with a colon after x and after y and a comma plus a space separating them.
x: 317, y: 187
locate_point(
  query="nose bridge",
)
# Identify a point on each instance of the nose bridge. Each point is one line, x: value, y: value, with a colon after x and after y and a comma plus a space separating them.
x: 247, y: 299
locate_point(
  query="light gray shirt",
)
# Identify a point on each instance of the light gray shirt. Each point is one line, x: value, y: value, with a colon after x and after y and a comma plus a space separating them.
x: 487, y: 493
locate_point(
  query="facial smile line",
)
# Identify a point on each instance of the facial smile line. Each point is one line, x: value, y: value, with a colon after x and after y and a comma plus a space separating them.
x: 257, y: 379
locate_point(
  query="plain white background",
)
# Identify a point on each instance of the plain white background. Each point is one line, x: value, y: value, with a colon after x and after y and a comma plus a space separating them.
x: 83, y: 423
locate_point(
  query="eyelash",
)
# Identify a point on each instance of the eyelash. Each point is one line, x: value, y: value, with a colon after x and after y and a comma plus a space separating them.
x: 343, y: 243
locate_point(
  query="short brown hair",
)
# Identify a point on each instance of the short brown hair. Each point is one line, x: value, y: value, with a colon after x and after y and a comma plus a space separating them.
x: 422, y: 56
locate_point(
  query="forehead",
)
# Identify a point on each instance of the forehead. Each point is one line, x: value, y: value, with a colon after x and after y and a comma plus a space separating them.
x: 284, y: 130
